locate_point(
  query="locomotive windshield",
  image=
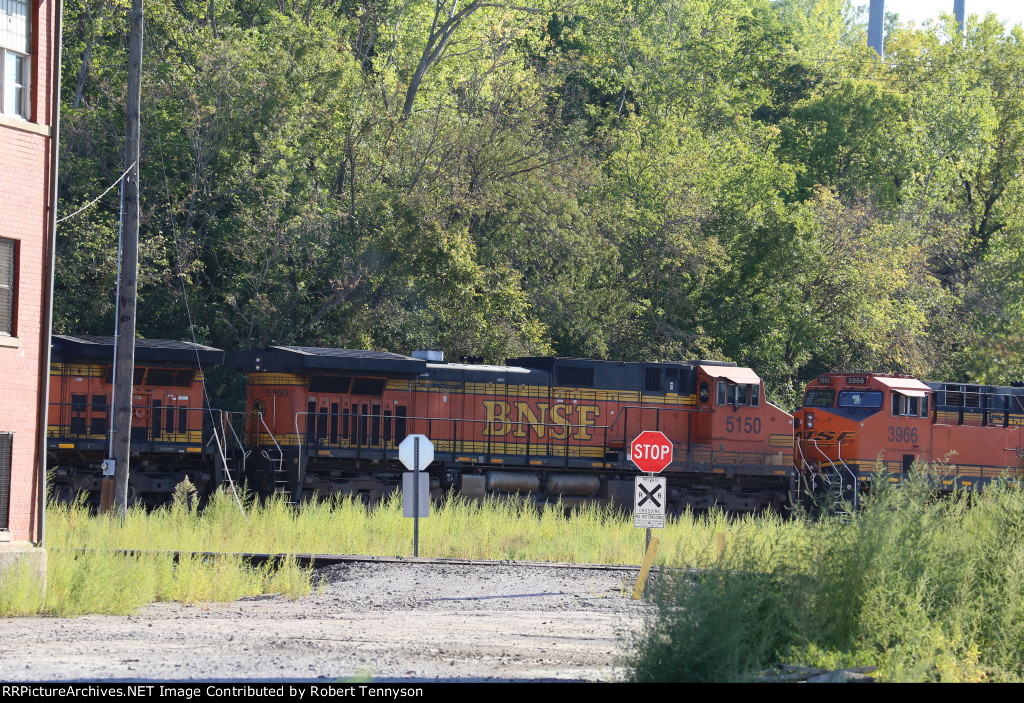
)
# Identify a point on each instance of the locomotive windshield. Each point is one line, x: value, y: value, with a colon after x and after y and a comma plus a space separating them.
x: 860, y: 399
x: 819, y: 399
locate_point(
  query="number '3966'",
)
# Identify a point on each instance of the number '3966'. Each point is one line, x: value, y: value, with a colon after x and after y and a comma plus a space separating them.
x: 903, y: 434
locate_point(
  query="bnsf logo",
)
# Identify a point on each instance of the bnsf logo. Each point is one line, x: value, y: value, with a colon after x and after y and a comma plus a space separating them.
x: 558, y: 420
x: 827, y: 436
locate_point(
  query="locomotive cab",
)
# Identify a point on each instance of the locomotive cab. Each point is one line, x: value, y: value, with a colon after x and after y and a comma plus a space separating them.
x: 851, y: 427
x: 740, y: 435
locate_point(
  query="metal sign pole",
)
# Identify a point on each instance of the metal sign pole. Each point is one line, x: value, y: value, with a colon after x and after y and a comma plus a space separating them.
x: 416, y: 498
x: 647, y: 548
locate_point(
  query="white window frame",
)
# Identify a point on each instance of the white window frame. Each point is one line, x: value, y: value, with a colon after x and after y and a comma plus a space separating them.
x: 15, y: 43
x: 6, y: 56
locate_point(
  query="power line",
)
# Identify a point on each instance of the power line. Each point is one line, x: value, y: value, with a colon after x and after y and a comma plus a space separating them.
x: 97, y: 198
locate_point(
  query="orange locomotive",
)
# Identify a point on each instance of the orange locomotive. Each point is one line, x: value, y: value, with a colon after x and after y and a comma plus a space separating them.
x: 168, y: 438
x: 853, y: 426
x: 330, y: 420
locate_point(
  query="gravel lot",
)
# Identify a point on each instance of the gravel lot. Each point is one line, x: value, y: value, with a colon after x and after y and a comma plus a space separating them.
x: 390, y: 621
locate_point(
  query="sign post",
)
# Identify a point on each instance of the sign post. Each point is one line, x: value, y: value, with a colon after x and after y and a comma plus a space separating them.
x: 416, y: 452
x: 651, y: 451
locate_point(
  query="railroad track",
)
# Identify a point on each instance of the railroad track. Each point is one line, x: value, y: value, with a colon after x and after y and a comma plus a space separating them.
x: 322, y: 560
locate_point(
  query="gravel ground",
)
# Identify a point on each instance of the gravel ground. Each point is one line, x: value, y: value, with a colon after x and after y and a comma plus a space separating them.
x: 393, y: 622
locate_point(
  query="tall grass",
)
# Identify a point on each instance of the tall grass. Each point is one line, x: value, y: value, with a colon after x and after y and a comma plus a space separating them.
x: 926, y: 589
x: 86, y: 575
x: 494, y: 529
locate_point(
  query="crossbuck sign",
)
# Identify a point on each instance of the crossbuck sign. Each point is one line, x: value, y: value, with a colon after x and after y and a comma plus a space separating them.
x: 649, y: 502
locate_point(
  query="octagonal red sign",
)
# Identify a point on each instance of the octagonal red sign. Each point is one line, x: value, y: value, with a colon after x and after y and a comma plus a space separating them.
x: 651, y: 451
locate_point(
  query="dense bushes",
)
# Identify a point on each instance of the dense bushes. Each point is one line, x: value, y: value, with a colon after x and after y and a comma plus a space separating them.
x: 926, y: 589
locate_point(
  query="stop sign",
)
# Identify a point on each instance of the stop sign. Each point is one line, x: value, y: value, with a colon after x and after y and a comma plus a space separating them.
x: 651, y: 451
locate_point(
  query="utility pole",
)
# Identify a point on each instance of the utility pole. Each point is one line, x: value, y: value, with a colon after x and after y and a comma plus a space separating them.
x: 124, y: 367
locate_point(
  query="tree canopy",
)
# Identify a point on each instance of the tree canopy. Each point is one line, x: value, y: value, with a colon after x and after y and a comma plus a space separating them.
x: 652, y: 180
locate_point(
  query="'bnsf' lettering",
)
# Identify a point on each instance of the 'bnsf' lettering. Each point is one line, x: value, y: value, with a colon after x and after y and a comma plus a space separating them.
x: 555, y: 421
x: 828, y: 436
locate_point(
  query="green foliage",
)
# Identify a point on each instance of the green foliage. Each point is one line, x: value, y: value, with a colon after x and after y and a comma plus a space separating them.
x: 667, y: 179
x: 918, y: 586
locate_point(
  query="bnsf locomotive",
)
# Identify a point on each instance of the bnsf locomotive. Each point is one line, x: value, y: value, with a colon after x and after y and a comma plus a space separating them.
x: 324, y: 421
x: 170, y: 431
x: 854, y: 427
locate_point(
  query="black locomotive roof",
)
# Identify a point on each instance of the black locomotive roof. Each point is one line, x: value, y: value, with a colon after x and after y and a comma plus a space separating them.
x: 88, y: 348
x: 608, y: 375
x: 287, y: 359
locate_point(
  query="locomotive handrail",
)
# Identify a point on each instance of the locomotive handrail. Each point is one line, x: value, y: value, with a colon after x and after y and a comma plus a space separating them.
x: 270, y: 434
x: 224, y: 462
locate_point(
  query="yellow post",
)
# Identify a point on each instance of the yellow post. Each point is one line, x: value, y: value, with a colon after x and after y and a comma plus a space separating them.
x: 645, y: 568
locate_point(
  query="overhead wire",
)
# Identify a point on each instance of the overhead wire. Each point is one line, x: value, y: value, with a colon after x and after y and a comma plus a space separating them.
x: 100, y: 196
x: 209, y: 409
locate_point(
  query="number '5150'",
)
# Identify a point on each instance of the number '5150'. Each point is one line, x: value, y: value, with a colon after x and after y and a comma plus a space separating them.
x: 747, y: 425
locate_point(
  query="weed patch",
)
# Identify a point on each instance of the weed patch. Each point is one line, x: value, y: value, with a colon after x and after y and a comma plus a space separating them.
x: 921, y: 587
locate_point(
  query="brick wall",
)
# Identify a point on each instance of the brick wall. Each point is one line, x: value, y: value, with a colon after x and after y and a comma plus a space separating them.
x: 25, y: 218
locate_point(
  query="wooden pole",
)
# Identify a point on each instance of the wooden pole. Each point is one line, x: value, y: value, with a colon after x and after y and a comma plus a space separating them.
x: 124, y: 369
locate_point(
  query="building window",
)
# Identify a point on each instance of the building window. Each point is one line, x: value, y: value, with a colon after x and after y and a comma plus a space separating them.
x: 7, y: 269
x: 14, y: 58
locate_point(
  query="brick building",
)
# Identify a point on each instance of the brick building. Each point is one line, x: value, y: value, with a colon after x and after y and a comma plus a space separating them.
x: 29, y: 114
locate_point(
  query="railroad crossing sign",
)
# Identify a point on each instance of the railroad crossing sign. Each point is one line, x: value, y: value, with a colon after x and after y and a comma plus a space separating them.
x: 416, y: 452
x: 649, y: 501
x: 651, y: 451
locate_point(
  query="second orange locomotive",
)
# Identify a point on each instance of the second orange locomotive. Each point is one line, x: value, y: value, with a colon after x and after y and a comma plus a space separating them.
x: 854, y: 427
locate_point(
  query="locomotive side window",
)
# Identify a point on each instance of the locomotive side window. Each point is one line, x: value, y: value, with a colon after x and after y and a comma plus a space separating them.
x: 819, y: 399
x: 905, y: 406
x: 861, y: 399
x: 739, y: 394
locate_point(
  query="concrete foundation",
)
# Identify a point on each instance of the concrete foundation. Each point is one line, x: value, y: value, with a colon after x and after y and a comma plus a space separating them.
x: 14, y: 553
